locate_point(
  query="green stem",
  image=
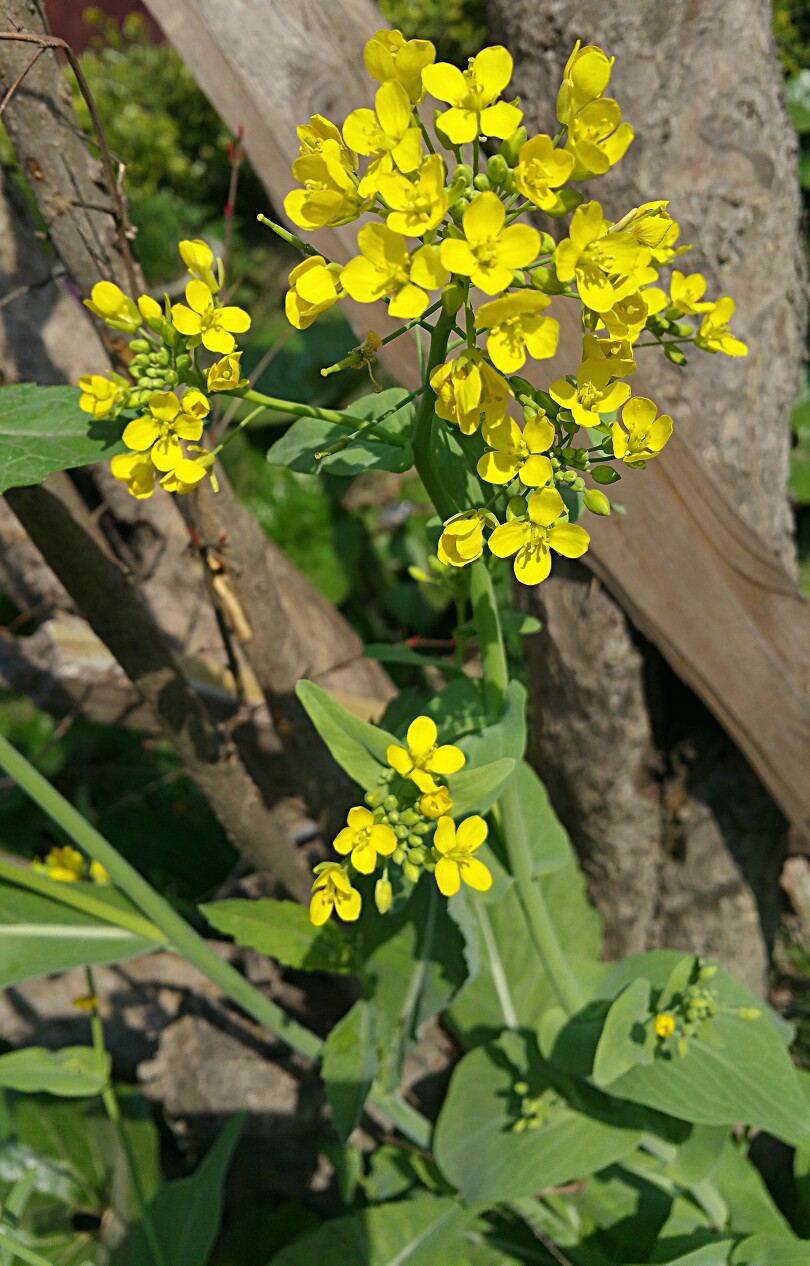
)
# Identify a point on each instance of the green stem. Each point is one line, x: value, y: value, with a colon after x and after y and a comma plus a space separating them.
x: 424, y: 131
x: 240, y: 427
x: 298, y: 410
x: 370, y: 425
x: 290, y: 238
x: 423, y: 422
x: 409, y: 325
x: 490, y: 638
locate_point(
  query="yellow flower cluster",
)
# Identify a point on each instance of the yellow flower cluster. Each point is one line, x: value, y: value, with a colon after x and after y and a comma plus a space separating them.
x: 395, y: 826
x: 67, y: 866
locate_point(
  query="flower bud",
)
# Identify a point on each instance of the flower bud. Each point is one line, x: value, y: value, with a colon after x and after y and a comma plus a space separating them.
x: 414, y: 841
x: 578, y: 484
x: 141, y: 345
x: 482, y: 182
x: 169, y: 377
x: 383, y: 894
x: 605, y: 475
x: 411, y: 872
x: 183, y: 362
x: 417, y: 855
x: 398, y: 856
x: 497, y: 169
x: 749, y: 1013
x: 392, y: 817
x: 597, y: 502
x: 674, y: 354
x: 409, y: 817
x: 452, y: 298
x: 463, y: 175
x: 511, y: 147
x: 401, y: 832
x: 374, y: 799
x: 508, y: 184
x: 389, y: 803
x: 458, y: 210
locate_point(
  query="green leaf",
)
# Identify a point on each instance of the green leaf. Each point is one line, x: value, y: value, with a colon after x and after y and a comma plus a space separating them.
x: 551, y: 847
x: 771, y: 1250
x: 385, y: 448
x: 388, y: 654
x: 73, y: 1072
x: 284, y: 931
x: 39, y: 937
x: 698, y: 1156
x: 475, y: 790
x: 710, y: 1255
x: 574, y: 1131
x: 349, y: 1065
x: 358, y: 747
x: 42, y: 429
x: 623, y: 1040
x: 750, y: 1206
x: 797, y: 90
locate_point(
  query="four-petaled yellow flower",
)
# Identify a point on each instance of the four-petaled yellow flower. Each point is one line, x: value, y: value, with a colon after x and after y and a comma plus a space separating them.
x: 137, y: 471
x: 422, y: 758
x: 314, y: 135
x: 189, y: 472
x: 332, y: 890
x: 593, y: 394
x: 597, y: 138
x: 517, y: 453
x: 201, y: 322
x: 470, y: 391
x: 585, y: 78
x: 457, y: 846
x: 489, y: 253
x: 388, y: 55
x: 103, y: 396
x: 652, y: 225
x: 387, y: 129
x: 687, y: 293
x: 365, y: 839
x: 109, y: 302
x: 532, y: 539
x: 645, y: 435
x: 226, y: 374
x: 618, y: 352
x: 596, y: 258
x: 462, y: 538
x: 386, y: 268
x: 65, y: 864
x: 330, y: 194
x: 715, y: 335
x: 160, y: 431
x: 434, y: 803
x: 515, y: 325
x: 416, y: 206
x: 627, y: 318
x: 314, y: 287
x: 473, y: 94
x: 541, y: 169
x: 199, y: 259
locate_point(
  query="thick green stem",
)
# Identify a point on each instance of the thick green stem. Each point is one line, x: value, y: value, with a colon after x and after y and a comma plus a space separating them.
x: 490, y: 638
x: 424, y: 418
x: 298, y: 410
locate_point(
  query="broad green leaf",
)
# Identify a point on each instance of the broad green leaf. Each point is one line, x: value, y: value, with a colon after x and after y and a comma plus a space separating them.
x: 751, y: 1208
x: 505, y: 737
x: 475, y: 790
x: 284, y: 931
x: 42, y: 429
x: 73, y: 1072
x: 455, y: 456
x: 39, y: 937
x: 426, y: 1231
x: 350, y: 1062
x: 511, y: 1125
x: 186, y: 1213
x: 385, y: 448
x: 358, y: 747
x: 698, y: 1156
x: 771, y: 1250
x: 710, y: 1255
x: 551, y: 847
x: 623, y: 1041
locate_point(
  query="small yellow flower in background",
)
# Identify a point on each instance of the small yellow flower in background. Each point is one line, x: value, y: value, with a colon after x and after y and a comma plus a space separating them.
x: 541, y: 169
x: 457, y: 846
x: 423, y: 758
x: 314, y: 135
x: 386, y: 268
x: 66, y: 865
x: 645, y: 435
x: 314, y: 287
x: 388, y: 55
x: 532, y: 539
x: 597, y: 138
x: 416, y: 206
x: 435, y: 803
x: 489, y: 252
x: 462, y: 539
x: 98, y: 873
x: 618, y: 352
x: 593, y: 394
x: 515, y: 325
x: 159, y: 431
x: 226, y: 374
x: 686, y: 293
x: 332, y: 890
x: 109, y: 302
x: 715, y: 335
x: 470, y: 391
x: 86, y: 1002
x: 137, y: 471
x: 103, y: 397
x: 199, y: 259
x: 517, y: 453
x: 201, y: 322
x: 189, y: 472
x: 330, y: 194
x: 585, y: 78
x: 365, y: 839
x: 596, y: 257
x: 473, y: 94
x: 387, y: 129
x: 664, y: 1024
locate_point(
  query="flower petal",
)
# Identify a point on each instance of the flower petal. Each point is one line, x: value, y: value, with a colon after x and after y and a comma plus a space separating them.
x: 508, y: 538
x: 569, y: 539
x: 471, y: 833
x: 475, y: 873
x: 447, y: 877
x: 447, y: 759
x: 422, y: 735
x: 545, y: 506
x: 445, y: 838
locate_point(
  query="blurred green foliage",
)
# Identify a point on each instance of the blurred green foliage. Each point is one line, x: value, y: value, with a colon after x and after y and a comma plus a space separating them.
x: 458, y: 28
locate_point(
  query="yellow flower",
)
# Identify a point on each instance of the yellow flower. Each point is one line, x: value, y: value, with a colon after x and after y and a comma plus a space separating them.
x: 531, y: 540
x: 386, y: 268
x: 199, y: 260
x: 109, y: 302
x: 652, y: 225
x: 515, y: 325
x: 462, y: 539
x: 618, y: 352
x: 190, y: 472
x: 388, y: 55
x: 597, y: 138
x: 585, y: 78
x: 664, y: 1024
x: 66, y: 865
x: 137, y: 471
x: 423, y: 758
x: 518, y: 453
x: 365, y: 839
x: 317, y: 132
x: 687, y: 293
x: 489, y: 253
x: 470, y: 391
x: 152, y: 313
x: 434, y: 803
x: 99, y: 873
x: 645, y: 435
x: 168, y: 421
x: 456, y: 847
x: 596, y: 257
x: 387, y: 129
x: 628, y: 316
x: 541, y: 169
x: 332, y: 890
x: 472, y: 95
x: 314, y: 287
x: 202, y: 323
x: 416, y: 206
x: 103, y: 397
x: 593, y: 394
x: 330, y: 194
x: 226, y: 374
x: 715, y: 335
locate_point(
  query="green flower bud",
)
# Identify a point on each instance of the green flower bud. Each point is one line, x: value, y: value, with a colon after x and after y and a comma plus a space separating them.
x: 547, y: 244
x: 605, y: 475
x: 749, y: 1013
x: 497, y: 169
x: 517, y: 508
x: 569, y: 476
x: 141, y: 345
x: 511, y: 147
x: 383, y: 894
x: 152, y: 372
x: 417, y: 855
x: 398, y: 856
x: 401, y: 832
x: 373, y: 799
x: 708, y: 972
x: 452, y: 298
x: 411, y: 872
x: 674, y: 354
x: 578, y: 484
x: 463, y: 175
x: 414, y: 840
x: 392, y: 817
x: 597, y: 502
x: 182, y: 363
x: 410, y: 816
x: 137, y: 363
x: 162, y: 357
x: 482, y: 182
x: 389, y: 803
x: 508, y: 184
x: 458, y: 210
x: 422, y: 827
x: 379, y: 814
x: 684, y: 330
x: 170, y: 377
